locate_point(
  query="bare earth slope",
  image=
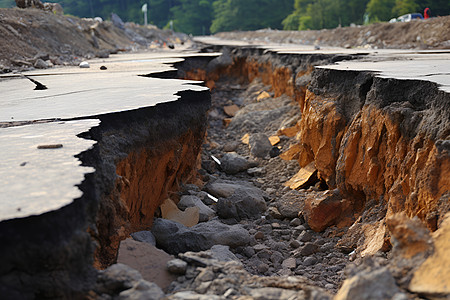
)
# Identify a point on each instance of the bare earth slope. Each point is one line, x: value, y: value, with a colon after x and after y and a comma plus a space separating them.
x: 27, y: 35
x: 433, y: 33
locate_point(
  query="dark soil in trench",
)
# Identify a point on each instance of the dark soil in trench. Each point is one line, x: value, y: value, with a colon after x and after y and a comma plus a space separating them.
x: 283, y: 243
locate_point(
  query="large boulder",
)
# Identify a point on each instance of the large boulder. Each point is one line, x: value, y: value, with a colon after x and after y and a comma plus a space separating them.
x: 176, y: 238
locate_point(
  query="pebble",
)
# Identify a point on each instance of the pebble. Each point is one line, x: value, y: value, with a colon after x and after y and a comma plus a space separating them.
x: 308, y: 249
x: 177, y: 266
x: 263, y: 268
x: 309, y: 261
x: 84, y: 64
x: 304, y: 236
x: 259, y: 235
x: 295, y: 244
x: 295, y: 222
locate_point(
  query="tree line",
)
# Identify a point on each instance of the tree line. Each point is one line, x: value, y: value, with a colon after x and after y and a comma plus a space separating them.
x: 200, y: 17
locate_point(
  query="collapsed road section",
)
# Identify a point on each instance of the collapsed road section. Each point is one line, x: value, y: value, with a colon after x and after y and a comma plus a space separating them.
x: 84, y: 163
x: 311, y: 161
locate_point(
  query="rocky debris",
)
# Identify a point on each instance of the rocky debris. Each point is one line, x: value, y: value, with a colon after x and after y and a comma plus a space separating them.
x: 218, y: 279
x: 144, y: 237
x: 233, y: 163
x: 146, y: 259
x: 374, y: 36
x: 89, y: 38
x: 176, y: 238
x: 231, y: 110
x: 237, y: 201
x: 260, y: 145
x: 244, y: 203
x: 305, y: 177
x: 432, y: 278
x: 377, y: 284
x: 177, y: 266
x: 205, y: 212
x: 325, y: 209
x: 189, y: 217
x: 120, y: 281
x: 142, y: 290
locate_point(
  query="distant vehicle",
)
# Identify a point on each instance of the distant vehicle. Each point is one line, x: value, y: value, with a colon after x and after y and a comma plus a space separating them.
x: 407, y: 18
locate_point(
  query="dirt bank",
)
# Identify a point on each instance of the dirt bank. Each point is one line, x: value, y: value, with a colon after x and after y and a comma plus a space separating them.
x: 426, y: 34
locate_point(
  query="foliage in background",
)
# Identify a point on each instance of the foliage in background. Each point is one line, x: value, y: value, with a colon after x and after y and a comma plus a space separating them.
x: 249, y: 14
x: 200, y: 17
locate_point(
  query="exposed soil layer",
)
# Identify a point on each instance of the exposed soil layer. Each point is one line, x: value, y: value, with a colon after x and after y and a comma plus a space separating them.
x: 142, y: 157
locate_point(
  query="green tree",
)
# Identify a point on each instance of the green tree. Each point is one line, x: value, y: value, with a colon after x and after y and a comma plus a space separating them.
x: 380, y: 10
x: 402, y: 7
x: 318, y: 14
x: 249, y: 14
x: 193, y: 16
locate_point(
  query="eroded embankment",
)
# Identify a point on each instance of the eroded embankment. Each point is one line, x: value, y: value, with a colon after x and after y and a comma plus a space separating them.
x: 380, y: 144
x: 141, y: 158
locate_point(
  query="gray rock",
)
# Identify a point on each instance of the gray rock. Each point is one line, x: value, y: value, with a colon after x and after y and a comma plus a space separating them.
x: 295, y: 222
x: 40, y: 64
x: 248, y: 251
x: 177, y: 266
x: 190, y: 295
x: 309, y: 261
x: 176, y: 238
x: 255, y: 171
x: 205, y: 212
x: 246, y: 202
x: 145, y: 237
x: 263, y: 268
x: 308, y: 249
x: 267, y: 293
x: 276, y: 258
x: 378, y: 284
x: 291, y: 204
x: 305, y: 236
x: 223, y: 253
x: 142, y: 290
x: 117, y: 277
x: 295, y: 244
x: 230, y: 146
x: 233, y: 163
x: 289, y: 263
x: 117, y: 21
x: 260, y: 145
